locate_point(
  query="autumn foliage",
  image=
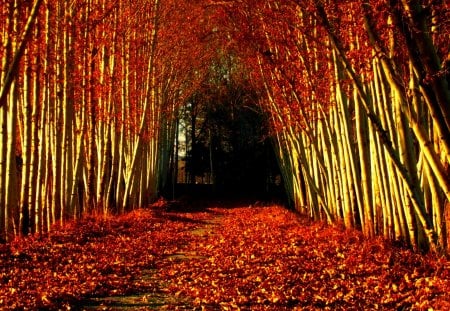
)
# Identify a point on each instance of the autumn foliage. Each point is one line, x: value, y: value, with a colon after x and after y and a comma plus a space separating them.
x: 268, y: 258
x: 356, y: 96
x: 90, y: 96
x: 348, y: 87
x: 225, y: 256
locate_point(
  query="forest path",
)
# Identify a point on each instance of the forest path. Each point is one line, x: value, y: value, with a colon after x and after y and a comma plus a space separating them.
x: 205, y: 220
x: 216, y: 256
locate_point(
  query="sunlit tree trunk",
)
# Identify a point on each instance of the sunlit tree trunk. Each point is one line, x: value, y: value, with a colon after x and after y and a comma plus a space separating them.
x: 11, y: 185
x: 92, y: 102
x: 6, y: 49
x: 41, y: 169
x: 25, y: 126
x: 69, y: 153
x: 364, y: 158
x: 35, y: 127
x: 3, y: 149
x: 104, y: 153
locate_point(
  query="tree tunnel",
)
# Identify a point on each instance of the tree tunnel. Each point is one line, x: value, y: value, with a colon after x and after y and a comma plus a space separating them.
x: 350, y: 97
x: 223, y: 146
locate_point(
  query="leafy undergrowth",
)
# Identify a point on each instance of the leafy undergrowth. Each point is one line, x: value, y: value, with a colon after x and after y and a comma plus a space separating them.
x: 248, y: 258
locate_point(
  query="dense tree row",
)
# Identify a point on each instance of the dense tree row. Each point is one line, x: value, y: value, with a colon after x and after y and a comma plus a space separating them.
x: 359, y: 102
x: 89, y: 96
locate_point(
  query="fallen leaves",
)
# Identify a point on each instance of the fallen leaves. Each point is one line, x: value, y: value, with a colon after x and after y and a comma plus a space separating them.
x: 268, y: 258
x: 94, y: 257
x: 242, y: 258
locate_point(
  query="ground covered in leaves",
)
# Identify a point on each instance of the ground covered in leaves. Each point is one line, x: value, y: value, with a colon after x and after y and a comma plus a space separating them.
x: 216, y: 257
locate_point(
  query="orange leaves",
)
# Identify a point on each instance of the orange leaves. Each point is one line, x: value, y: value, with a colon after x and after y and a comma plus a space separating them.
x: 94, y: 257
x: 268, y: 258
x: 259, y: 258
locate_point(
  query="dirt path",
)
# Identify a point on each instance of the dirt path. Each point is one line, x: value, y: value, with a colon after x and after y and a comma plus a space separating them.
x: 161, y: 298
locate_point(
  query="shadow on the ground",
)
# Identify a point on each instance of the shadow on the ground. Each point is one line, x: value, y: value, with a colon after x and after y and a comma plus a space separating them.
x: 181, y: 211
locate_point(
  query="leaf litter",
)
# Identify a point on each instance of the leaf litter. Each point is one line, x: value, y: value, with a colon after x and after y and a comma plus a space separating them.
x: 216, y: 258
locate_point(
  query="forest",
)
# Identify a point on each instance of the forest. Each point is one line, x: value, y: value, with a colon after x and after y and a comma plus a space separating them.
x: 348, y: 101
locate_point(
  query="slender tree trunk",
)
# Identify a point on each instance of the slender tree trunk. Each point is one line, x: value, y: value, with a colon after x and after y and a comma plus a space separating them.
x: 18, y: 52
x: 24, y: 225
